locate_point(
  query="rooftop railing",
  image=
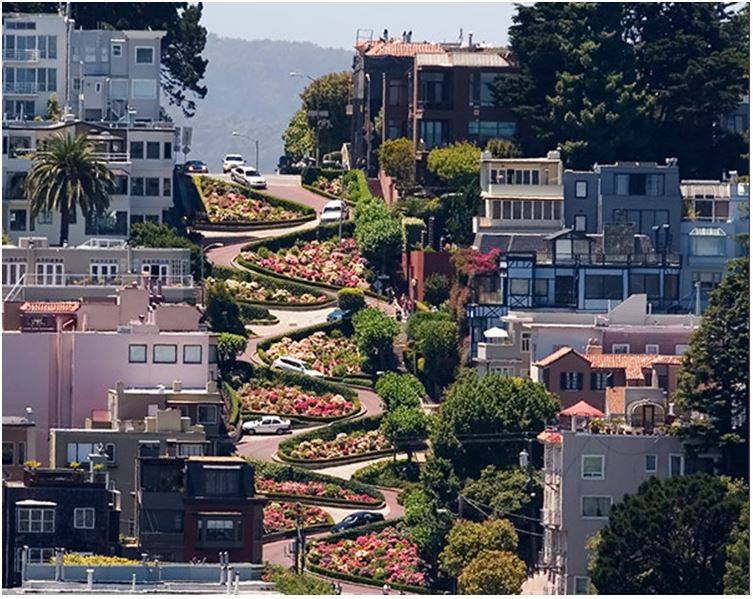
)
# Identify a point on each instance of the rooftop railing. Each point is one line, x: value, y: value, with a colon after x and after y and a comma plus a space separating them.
x: 21, y: 55
x: 89, y: 280
x: 20, y: 87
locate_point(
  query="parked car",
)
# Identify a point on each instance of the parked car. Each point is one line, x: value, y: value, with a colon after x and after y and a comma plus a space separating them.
x: 231, y: 161
x: 196, y: 166
x: 338, y: 314
x: 357, y: 519
x: 286, y: 166
x: 295, y: 365
x: 268, y: 424
x: 248, y: 175
x: 334, y: 211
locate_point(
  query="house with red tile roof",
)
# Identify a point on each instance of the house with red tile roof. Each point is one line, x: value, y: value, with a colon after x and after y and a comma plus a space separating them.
x: 632, y: 387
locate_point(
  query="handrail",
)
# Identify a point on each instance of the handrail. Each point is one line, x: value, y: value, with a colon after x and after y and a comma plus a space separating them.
x: 16, y: 289
x: 91, y: 280
x: 27, y: 55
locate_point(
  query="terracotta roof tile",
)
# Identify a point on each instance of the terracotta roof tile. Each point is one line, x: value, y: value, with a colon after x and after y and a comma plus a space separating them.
x: 50, y: 307
x: 632, y: 364
x: 400, y: 49
x: 553, y: 357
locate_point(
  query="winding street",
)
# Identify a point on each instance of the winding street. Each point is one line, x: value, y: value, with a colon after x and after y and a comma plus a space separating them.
x: 265, y: 447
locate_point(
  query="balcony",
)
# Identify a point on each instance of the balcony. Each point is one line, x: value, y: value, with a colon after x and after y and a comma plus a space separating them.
x: 118, y: 280
x: 20, y: 55
x: 20, y: 88
x: 522, y: 192
x: 493, y: 352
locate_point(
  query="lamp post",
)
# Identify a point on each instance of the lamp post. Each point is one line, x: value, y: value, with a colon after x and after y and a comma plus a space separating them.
x: 316, y: 107
x: 256, y: 143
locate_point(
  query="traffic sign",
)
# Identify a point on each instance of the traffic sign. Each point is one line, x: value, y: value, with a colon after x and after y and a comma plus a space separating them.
x: 186, y: 149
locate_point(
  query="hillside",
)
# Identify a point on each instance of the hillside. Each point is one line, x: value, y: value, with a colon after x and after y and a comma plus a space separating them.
x: 250, y: 90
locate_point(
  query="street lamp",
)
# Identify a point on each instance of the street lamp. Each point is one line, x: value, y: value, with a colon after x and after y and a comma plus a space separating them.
x: 316, y: 98
x: 256, y: 143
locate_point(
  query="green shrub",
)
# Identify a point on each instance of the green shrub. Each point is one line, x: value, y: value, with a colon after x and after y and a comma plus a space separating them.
x: 356, y: 186
x: 250, y: 313
x: 396, y: 158
x: 413, y: 229
x: 351, y: 299
x: 395, y: 474
x: 436, y: 289
x: 374, y: 333
x: 312, y: 173
x: 289, y: 583
x: 223, y: 311
x: 327, y: 433
x: 456, y: 164
x: 225, y: 272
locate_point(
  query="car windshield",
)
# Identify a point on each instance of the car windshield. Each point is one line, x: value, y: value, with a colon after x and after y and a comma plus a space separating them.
x: 252, y: 173
x: 234, y: 157
x: 332, y: 209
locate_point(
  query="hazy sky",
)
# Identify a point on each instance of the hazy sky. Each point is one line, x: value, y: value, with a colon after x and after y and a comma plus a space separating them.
x: 335, y: 24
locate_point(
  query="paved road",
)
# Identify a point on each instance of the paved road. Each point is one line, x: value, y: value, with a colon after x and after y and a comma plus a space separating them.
x: 265, y: 447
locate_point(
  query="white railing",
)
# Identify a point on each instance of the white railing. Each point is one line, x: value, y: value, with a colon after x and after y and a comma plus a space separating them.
x: 16, y: 290
x: 89, y: 280
x: 20, y: 87
x: 21, y: 55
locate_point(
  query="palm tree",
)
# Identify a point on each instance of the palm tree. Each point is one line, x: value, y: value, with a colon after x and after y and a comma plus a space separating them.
x: 66, y: 174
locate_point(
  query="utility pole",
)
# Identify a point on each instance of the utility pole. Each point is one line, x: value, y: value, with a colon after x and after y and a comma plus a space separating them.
x: 525, y: 461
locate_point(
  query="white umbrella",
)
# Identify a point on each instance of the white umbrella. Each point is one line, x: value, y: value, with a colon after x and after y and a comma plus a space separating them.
x: 496, y: 333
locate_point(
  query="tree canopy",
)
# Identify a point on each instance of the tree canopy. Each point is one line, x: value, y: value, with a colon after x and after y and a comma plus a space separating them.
x: 478, y: 412
x: 456, y: 164
x: 398, y: 390
x: 223, y: 311
x: 182, y: 67
x: 405, y: 427
x: 330, y: 92
x: 737, y: 571
x: 610, y: 81
x: 467, y: 539
x: 298, y: 137
x: 397, y: 160
x: 715, y: 374
x: 374, y: 333
x: 493, y: 573
x: 668, y: 538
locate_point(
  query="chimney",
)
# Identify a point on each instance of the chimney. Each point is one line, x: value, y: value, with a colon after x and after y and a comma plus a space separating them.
x: 593, y: 348
x: 470, y: 40
x: 177, y: 386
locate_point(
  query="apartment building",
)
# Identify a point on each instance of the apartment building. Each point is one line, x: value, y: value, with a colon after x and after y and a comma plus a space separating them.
x: 715, y: 216
x: 76, y: 510
x: 107, y: 83
x: 585, y: 474
x: 165, y: 431
x: 97, y: 268
x: 18, y: 444
x: 81, y: 348
x: 432, y: 93
x: 193, y: 508
x: 636, y: 385
x: 523, y: 337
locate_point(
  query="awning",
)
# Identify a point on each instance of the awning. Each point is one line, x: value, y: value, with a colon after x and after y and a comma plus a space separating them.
x: 496, y: 333
x: 708, y: 232
x: 582, y: 409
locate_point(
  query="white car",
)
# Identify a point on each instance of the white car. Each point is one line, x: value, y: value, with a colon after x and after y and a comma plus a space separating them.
x: 333, y: 212
x: 295, y: 365
x: 268, y: 424
x: 248, y: 175
x: 231, y: 161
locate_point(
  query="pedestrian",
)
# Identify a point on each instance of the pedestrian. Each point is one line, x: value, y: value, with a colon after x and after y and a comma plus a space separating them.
x: 386, y: 589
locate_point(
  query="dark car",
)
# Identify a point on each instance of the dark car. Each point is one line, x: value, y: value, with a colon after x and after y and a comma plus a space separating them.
x: 196, y: 166
x: 338, y: 314
x: 357, y: 519
x: 286, y: 166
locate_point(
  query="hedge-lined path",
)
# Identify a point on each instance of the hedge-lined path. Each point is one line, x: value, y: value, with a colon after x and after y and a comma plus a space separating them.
x: 264, y: 447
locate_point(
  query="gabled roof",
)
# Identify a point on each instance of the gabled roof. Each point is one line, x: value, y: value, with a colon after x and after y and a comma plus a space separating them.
x: 632, y: 364
x: 49, y: 307
x: 560, y: 353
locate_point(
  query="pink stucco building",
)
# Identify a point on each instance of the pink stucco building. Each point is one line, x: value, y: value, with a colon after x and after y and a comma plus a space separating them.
x: 60, y: 358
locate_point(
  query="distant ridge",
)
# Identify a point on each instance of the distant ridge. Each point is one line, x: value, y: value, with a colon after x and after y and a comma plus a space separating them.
x: 250, y: 91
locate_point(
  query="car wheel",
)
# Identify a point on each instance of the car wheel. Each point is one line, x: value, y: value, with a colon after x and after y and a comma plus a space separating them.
x: 251, y: 431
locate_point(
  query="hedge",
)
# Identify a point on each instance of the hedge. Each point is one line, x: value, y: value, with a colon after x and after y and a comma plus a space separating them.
x: 324, y: 194
x: 286, y: 472
x: 312, y: 173
x: 355, y: 185
x: 225, y: 272
x: 251, y: 314
x: 356, y: 532
x: 203, y: 184
x: 327, y: 433
x: 235, y: 405
x: 307, y: 383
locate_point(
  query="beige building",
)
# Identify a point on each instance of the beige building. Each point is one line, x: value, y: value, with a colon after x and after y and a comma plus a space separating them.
x: 164, y: 431
x: 18, y: 444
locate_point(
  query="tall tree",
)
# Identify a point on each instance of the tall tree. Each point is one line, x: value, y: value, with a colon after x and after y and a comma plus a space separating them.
x: 183, y: 67
x: 715, y: 375
x: 668, y: 538
x: 66, y: 175
x: 298, y: 137
x: 493, y: 573
x: 737, y: 572
x: 332, y: 93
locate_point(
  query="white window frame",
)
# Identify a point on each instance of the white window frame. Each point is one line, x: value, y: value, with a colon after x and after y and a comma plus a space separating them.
x: 12, y: 272
x: 102, y: 270
x: 83, y: 513
x: 32, y: 512
x: 119, y: 47
x: 581, y: 185
x: 682, y: 464
x: 620, y: 346
x: 583, y: 459
x: 51, y: 274
x: 136, y: 55
x: 576, y: 580
x: 652, y: 348
x: 656, y: 462
x: 582, y: 504
x: 35, y: 555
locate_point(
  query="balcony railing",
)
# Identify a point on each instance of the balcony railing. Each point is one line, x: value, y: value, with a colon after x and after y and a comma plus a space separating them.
x: 89, y: 280
x: 21, y: 55
x: 20, y: 87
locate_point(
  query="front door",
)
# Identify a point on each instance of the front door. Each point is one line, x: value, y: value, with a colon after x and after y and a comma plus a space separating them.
x: 563, y: 290
x: 648, y: 416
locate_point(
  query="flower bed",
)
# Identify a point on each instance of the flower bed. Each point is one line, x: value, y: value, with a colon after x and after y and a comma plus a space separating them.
x: 313, y: 489
x: 344, y: 445
x: 228, y: 203
x: 259, y: 292
x: 271, y: 397
x: 331, y: 262
x: 384, y: 556
x: 332, y: 187
x: 280, y: 516
x: 283, y: 481
x: 329, y: 354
